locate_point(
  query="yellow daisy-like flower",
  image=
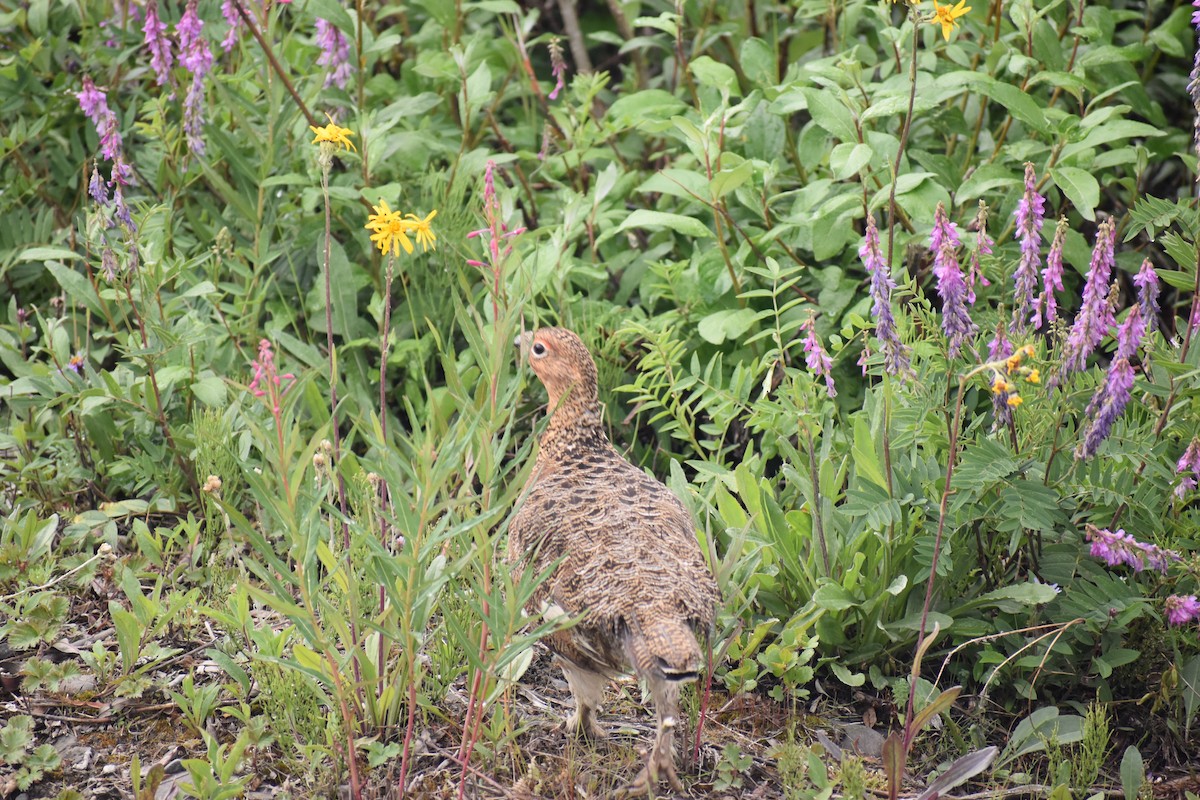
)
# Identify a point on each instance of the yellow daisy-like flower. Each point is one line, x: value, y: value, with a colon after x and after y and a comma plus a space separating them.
x: 947, y: 16
x: 1015, y: 400
x: 334, y: 134
x: 422, y: 230
x: 1034, y: 376
x: 999, y: 386
x: 389, y: 231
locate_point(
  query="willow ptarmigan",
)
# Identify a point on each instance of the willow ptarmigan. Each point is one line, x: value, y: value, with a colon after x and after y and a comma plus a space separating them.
x: 630, y: 563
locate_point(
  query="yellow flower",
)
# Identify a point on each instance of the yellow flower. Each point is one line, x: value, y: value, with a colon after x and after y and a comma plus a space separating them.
x: 1015, y: 400
x: 333, y: 134
x: 388, y: 230
x: 947, y: 16
x: 422, y: 230
x: 1034, y: 376
x: 999, y: 386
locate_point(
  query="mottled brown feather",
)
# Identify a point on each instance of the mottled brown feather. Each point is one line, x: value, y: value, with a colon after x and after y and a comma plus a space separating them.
x: 630, y: 559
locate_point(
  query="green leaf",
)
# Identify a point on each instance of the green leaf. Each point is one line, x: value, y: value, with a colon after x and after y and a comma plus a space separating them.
x: 129, y: 635
x: 1189, y: 679
x: 645, y: 218
x: 1009, y: 97
x: 76, y: 286
x: 848, y: 159
x: 729, y: 324
x: 1080, y: 187
x: 210, y: 391
x: 1133, y: 772
x: 829, y: 113
x: 48, y: 254
x: 709, y: 72
x: 834, y: 597
x: 727, y: 180
x: 940, y: 704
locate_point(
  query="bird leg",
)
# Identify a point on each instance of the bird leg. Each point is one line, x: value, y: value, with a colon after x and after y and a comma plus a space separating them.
x: 587, y: 688
x: 660, y: 764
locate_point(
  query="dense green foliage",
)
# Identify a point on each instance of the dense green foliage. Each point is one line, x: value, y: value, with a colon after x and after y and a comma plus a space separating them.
x: 694, y: 207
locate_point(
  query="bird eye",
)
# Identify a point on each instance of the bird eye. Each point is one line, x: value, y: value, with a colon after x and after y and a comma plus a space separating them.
x: 539, y: 349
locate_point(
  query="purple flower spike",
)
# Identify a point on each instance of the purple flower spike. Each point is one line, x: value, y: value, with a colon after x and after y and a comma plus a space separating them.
x: 97, y: 188
x: 983, y: 247
x: 155, y: 31
x: 895, y: 352
x: 1181, y: 609
x: 1106, y: 407
x: 1052, y: 279
x: 335, y: 54
x: 1029, y: 216
x: 92, y: 101
x: 817, y: 360
x: 234, y: 19
x: 956, y: 321
x: 1147, y: 285
x: 1120, y: 548
x: 1188, y: 468
x: 1095, y: 316
x: 196, y: 57
x: 558, y: 68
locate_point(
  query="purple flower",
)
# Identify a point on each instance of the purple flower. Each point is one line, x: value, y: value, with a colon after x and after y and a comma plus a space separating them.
x: 1106, y: 407
x: 558, y: 68
x: 983, y: 247
x: 1194, y: 90
x: 956, y: 321
x: 120, y: 208
x: 1131, y: 333
x: 1000, y: 348
x: 1029, y: 216
x: 1052, y: 279
x: 229, y: 12
x: 1146, y: 282
x: 108, y: 263
x: 1095, y: 316
x: 1181, y: 609
x: 155, y: 31
x: 335, y: 54
x: 97, y: 188
x: 1120, y: 548
x: 895, y: 352
x: 196, y: 57
x: 1188, y: 468
x: 92, y: 101
x: 815, y: 357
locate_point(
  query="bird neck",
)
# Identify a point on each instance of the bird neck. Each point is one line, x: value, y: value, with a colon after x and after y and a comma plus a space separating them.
x: 576, y: 427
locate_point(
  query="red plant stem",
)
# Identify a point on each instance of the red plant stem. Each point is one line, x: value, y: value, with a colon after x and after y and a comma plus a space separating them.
x: 408, y: 731
x: 333, y: 378
x: 952, y: 458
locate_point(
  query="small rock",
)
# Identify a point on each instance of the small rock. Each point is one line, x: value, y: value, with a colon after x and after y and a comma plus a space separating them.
x: 109, y: 769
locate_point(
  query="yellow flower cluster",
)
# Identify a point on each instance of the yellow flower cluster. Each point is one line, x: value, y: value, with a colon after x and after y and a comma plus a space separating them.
x: 390, y: 230
x: 1004, y: 382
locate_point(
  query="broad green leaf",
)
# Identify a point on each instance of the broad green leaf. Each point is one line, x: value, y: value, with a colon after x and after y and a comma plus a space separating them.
x: 129, y: 635
x: 1080, y: 187
x: 210, y: 391
x: 709, y: 72
x: 719, y: 326
x: 657, y: 220
x: 1133, y: 772
x: 75, y: 285
x: 727, y: 180
x: 48, y: 254
x: 846, y: 159
x: 828, y: 112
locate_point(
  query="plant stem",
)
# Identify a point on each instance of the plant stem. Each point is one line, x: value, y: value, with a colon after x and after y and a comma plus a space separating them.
x: 912, y: 97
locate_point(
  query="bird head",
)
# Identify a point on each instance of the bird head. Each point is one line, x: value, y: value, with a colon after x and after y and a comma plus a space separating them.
x: 562, y: 363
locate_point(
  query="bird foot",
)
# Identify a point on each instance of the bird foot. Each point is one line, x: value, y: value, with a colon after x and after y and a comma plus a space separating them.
x: 584, y: 725
x: 659, y: 766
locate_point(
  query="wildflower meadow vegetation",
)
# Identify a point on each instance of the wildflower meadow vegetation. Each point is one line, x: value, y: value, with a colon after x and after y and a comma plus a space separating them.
x: 900, y: 299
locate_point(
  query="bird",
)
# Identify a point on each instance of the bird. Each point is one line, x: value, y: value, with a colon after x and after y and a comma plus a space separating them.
x: 628, y: 561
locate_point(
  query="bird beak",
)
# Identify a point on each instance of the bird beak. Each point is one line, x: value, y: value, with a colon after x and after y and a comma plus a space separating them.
x: 523, y: 341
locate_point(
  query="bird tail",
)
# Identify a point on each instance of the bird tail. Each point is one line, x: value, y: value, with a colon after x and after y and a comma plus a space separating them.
x: 663, y: 647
